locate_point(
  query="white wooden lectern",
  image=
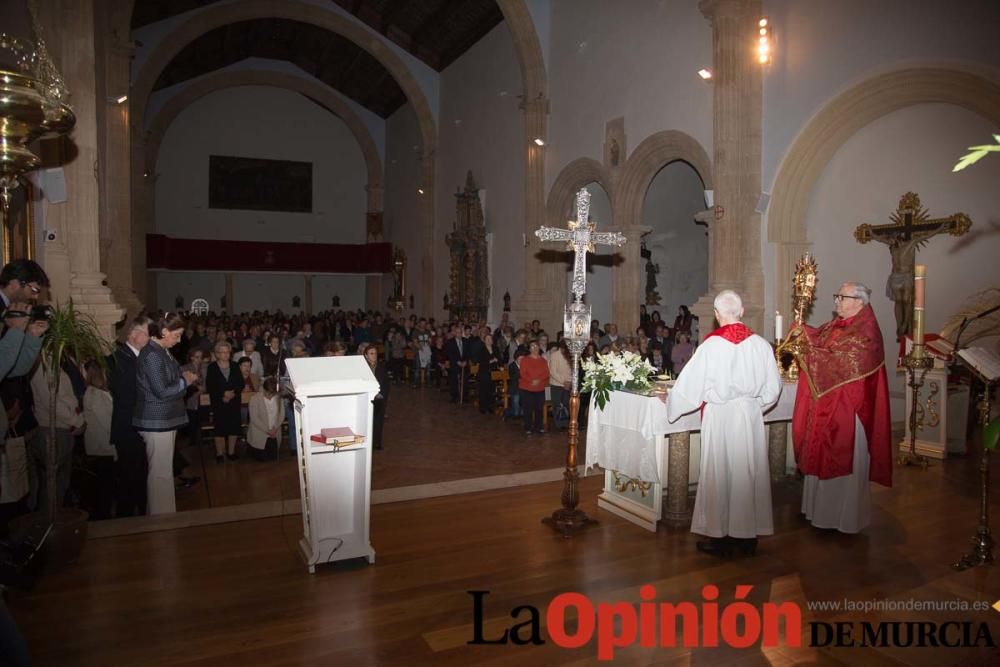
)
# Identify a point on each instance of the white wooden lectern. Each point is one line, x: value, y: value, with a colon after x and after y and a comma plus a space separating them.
x: 335, y: 482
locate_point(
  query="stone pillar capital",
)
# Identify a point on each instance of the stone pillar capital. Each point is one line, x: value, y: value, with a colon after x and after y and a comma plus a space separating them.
x: 713, y: 9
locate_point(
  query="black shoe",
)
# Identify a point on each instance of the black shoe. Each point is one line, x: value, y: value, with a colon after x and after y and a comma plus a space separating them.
x: 186, y: 482
x: 233, y: 457
x: 715, y: 546
x: 220, y: 459
x: 744, y: 547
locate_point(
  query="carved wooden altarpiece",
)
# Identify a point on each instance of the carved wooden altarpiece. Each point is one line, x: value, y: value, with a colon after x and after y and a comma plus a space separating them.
x: 469, y: 286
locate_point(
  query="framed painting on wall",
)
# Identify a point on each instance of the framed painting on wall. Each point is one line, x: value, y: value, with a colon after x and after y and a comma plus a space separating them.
x: 257, y: 184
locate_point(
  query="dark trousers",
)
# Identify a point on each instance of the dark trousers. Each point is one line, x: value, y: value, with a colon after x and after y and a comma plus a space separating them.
x: 269, y: 453
x: 104, y: 479
x: 378, y: 421
x: 13, y: 648
x: 532, y: 403
x: 131, y: 471
x: 455, y: 376
x: 487, y: 393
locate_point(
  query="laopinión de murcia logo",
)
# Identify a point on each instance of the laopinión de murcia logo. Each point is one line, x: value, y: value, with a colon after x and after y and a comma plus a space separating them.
x: 573, y: 620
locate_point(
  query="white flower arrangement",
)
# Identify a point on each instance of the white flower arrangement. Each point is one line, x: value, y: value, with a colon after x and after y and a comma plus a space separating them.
x: 616, y: 371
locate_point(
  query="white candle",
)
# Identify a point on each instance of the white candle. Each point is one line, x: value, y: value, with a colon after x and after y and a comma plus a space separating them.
x: 779, y: 325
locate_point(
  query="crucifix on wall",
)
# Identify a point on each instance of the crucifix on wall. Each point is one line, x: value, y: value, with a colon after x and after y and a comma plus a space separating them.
x: 911, y: 227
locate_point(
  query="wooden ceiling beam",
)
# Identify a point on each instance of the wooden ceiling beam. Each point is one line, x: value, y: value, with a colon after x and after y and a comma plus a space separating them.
x: 389, y: 13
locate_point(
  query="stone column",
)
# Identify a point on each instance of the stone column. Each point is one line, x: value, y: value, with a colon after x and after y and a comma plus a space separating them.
x: 427, y: 299
x: 678, y: 465
x: 143, y: 188
x: 737, y: 82
x: 114, y: 54
x: 627, y: 289
x: 308, y: 294
x: 544, y: 286
x: 777, y: 449
x: 229, y: 293
x: 68, y: 29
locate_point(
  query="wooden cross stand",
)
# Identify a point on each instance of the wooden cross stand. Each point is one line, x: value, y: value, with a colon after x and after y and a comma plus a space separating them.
x: 581, y: 238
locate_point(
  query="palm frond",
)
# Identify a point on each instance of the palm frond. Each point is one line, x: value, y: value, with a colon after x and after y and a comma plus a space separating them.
x: 73, y: 333
x: 977, y: 153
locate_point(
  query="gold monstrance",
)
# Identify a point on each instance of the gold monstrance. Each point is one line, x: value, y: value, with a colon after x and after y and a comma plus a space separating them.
x: 803, y: 294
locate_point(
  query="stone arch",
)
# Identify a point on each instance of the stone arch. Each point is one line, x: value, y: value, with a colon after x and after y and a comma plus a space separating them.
x: 837, y: 122
x: 215, y: 16
x: 230, y: 79
x: 574, y: 176
x: 649, y: 157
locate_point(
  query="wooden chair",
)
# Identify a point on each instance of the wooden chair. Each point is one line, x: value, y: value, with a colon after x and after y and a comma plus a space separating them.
x: 501, y: 378
x: 408, y: 357
x: 471, y: 382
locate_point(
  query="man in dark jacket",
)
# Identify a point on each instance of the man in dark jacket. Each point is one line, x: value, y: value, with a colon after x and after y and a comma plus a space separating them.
x: 458, y: 352
x: 131, y: 467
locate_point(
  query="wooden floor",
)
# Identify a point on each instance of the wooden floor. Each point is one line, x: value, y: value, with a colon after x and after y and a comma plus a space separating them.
x: 237, y: 594
x: 427, y: 439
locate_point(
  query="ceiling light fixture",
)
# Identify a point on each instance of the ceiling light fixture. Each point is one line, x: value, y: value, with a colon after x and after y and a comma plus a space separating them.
x: 420, y: 191
x: 705, y: 73
x: 539, y: 141
x: 764, y: 41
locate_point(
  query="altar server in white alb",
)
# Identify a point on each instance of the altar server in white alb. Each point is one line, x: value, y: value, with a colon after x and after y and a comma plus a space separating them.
x: 733, y: 379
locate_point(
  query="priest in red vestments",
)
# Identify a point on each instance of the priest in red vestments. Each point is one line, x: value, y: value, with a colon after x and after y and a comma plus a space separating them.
x: 841, y: 426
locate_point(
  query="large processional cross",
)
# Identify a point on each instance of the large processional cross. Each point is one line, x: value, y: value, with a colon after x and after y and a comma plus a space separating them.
x: 581, y: 238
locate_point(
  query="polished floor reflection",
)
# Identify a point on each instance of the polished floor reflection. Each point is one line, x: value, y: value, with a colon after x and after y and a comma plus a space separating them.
x: 239, y: 594
x: 428, y: 439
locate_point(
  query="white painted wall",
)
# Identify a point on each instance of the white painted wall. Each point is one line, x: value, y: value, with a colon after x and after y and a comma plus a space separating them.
x: 402, y: 202
x: 679, y: 244
x: 372, y: 121
x: 600, y: 275
x: 256, y: 121
x: 638, y: 59
x: 259, y: 291
x: 482, y: 129
x: 189, y: 286
x: 824, y: 48
x: 912, y: 149
x: 350, y: 289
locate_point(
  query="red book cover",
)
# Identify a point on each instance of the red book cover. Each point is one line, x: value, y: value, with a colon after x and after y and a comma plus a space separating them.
x: 337, y: 432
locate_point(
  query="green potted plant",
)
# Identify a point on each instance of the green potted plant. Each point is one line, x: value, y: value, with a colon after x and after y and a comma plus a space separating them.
x: 74, y: 337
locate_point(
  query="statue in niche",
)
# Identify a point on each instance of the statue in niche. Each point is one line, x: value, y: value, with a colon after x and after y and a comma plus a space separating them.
x: 296, y: 302
x: 222, y: 302
x: 614, y: 152
x: 179, y: 302
x: 652, y: 296
x: 336, y: 301
x: 446, y: 304
x: 506, y: 302
x: 469, y: 289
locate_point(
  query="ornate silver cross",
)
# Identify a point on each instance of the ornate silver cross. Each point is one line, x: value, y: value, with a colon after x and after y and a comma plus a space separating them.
x: 580, y: 238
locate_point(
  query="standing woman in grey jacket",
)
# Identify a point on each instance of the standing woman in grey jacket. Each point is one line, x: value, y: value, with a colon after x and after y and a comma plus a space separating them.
x: 159, y: 408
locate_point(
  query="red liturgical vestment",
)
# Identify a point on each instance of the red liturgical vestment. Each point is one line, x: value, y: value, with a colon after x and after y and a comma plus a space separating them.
x: 842, y: 377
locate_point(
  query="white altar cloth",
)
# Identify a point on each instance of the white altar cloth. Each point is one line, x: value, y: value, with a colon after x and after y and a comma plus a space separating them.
x: 624, y: 436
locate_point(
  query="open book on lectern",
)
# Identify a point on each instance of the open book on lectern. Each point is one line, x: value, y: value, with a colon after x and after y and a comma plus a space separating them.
x: 985, y: 361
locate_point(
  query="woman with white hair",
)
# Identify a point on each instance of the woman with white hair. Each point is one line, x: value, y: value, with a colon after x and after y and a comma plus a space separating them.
x: 224, y: 384
x: 733, y: 379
